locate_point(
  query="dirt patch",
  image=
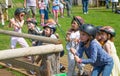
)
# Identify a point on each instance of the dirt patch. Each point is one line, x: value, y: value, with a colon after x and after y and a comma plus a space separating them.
x: 4, y: 72
x: 64, y: 61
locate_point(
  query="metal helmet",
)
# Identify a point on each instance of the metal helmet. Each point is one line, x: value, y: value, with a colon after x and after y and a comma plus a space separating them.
x: 18, y: 11
x: 109, y: 30
x: 89, y: 29
x: 53, y: 28
x: 79, y: 20
x: 31, y: 20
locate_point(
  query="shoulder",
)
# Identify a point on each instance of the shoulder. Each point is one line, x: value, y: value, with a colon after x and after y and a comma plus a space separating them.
x: 53, y: 36
x: 95, y: 44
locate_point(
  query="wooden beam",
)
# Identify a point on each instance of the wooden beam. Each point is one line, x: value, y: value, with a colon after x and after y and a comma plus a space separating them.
x: 44, y: 49
x: 21, y: 63
x: 40, y: 38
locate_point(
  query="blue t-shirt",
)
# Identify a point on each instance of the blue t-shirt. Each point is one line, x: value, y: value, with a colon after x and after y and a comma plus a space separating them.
x: 56, y: 7
x: 97, y: 56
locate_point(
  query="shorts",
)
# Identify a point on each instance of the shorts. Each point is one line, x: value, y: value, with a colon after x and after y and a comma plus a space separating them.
x: 20, y: 40
x: 42, y: 11
x: 33, y: 9
x: 61, y: 5
x: 55, y: 11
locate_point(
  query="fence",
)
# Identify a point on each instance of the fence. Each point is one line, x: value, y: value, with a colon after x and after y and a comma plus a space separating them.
x: 12, y: 55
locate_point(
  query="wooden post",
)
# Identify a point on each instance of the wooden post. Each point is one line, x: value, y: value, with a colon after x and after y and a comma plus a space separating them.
x: 41, y: 38
x: 20, y: 52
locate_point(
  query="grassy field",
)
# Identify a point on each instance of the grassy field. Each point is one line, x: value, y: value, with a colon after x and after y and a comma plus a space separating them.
x: 96, y: 16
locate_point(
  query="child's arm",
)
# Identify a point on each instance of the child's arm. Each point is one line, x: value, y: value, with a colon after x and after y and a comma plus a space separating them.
x: 107, y: 48
x: 68, y: 36
x: 13, y: 23
x: 76, y: 57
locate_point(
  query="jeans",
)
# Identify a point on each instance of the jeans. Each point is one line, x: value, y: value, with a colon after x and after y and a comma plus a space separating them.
x: 114, y: 6
x: 107, y: 4
x: 85, y: 6
x: 105, y: 70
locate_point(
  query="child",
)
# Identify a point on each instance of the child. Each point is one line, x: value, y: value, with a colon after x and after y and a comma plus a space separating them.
x: 33, y: 29
x: 98, y: 33
x: 108, y: 33
x: 97, y: 57
x: 17, y: 23
x: 42, y: 8
x: 72, y: 38
x: 55, y: 9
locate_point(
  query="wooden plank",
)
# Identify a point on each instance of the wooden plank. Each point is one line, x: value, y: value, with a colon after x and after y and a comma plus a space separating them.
x: 22, y: 63
x: 16, y: 69
x: 40, y: 38
x: 36, y: 50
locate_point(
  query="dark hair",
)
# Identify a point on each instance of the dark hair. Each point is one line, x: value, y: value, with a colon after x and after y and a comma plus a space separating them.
x: 53, y: 28
x: 31, y: 20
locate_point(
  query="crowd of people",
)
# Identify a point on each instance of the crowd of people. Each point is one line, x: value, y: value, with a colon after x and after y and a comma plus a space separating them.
x: 96, y: 42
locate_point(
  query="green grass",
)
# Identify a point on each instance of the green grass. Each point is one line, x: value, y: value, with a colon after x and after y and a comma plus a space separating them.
x: 96, y: 16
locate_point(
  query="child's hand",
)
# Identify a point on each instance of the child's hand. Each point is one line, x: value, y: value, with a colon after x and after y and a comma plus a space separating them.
x: 77, y: 59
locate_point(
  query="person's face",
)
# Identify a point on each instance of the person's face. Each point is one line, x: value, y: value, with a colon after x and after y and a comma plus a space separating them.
x: 84, y: 36
x: 98, y: 36
x: 31, y: 26
x: 74, y: 25
x: 103, y: 36
x: 47, y: 31
x: 21, y: 16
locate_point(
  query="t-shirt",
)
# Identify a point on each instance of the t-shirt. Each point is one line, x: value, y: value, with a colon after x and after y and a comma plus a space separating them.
x: 73, y: 35
x: 56, y: 7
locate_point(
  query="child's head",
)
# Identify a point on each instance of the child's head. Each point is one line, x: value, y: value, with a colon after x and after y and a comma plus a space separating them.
x: 98, y: 33
x: 51, y: 22
x: 48, y: 30
x: 107, y: 33
x: 19, y: 13
x: 87, y: 33
x: 77, y: 22
x: 31, y: 22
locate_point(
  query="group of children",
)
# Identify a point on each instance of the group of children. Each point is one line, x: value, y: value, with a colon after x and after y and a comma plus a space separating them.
x: 48, y: 31
x: 97, y: 44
